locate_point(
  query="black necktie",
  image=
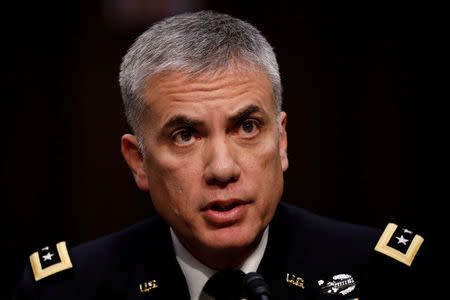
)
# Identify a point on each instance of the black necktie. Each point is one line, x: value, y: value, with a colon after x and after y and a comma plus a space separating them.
x: 226, y: 285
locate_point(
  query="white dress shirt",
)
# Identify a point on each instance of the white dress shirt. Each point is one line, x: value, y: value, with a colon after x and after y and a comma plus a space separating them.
x: 197, y: 274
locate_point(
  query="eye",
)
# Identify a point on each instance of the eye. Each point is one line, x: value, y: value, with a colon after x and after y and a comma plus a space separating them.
x: 248, y: 128
x: 184, y: 137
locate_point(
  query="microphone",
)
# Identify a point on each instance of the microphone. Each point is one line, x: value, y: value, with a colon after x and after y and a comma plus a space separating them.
x: 255, y: 286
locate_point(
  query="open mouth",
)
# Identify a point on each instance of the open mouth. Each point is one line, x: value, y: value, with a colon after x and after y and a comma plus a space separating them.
x: 225, y: 205
x: 223, y: 213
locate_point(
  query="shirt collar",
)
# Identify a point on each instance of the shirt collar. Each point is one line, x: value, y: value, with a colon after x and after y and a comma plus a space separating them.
x: 197, y: 274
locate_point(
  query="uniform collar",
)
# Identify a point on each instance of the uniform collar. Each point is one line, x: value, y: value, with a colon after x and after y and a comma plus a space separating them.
x: 197, y: 274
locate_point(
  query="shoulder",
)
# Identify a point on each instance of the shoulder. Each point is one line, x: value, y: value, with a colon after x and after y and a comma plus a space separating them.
x: 89, y: 263
x: 397, y: 243
x: 128, y: 240
x: 379, y: 259
x: 315, y: 229
x: 320, y: 245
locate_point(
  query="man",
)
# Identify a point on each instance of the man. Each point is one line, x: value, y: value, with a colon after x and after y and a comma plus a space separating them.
x: 202, y: 94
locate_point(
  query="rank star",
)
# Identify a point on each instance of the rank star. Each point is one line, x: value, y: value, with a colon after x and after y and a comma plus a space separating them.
x: 48, y: 256
x: 401, y: 240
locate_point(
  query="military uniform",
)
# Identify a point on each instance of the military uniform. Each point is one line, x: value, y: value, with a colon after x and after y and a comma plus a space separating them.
x: 307, y: 257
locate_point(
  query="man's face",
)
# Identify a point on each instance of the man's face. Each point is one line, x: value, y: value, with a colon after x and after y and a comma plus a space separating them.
x: 213, y: 156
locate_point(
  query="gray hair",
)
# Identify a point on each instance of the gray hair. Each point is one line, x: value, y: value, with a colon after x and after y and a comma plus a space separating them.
x: 195, y: 43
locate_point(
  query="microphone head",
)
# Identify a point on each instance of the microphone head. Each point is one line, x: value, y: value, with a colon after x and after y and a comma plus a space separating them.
x: 255, y: 286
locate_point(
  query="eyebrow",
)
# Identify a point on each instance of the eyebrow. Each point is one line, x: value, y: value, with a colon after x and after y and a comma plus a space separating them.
x: 180, y: 120
x: 245, y: 113
x: 184, y: 121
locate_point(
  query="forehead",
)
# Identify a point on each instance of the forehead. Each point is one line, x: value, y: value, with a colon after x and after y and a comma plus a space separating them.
x: 223, y: 88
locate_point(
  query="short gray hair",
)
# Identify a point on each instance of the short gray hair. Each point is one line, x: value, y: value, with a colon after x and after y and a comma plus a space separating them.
x: 195, y: 43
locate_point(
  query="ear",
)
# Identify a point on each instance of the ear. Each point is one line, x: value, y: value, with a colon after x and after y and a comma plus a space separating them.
x: 135, y: 160
x: 283, y: 142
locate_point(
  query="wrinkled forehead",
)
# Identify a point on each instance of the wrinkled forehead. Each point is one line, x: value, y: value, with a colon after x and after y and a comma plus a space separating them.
x: 228, y: 83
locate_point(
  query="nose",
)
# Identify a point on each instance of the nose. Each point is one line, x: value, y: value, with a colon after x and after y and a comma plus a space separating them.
x: 221, y: 166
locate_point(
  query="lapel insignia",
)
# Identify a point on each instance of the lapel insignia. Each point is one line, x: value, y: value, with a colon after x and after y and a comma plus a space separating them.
x: 399, y: 243
x: 147, y: 286
x: 340, y: 284
x: 50, y: 260
x: 297, y: 281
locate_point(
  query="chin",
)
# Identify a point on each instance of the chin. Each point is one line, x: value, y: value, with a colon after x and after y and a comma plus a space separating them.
x: 232, y: 238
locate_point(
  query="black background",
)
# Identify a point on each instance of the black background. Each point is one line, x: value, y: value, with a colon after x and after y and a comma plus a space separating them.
x: 358, y: 109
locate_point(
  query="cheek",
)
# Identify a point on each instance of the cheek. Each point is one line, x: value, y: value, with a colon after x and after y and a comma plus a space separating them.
x: 263, y: 161
x: 171, y: 183
x: 263, y: 174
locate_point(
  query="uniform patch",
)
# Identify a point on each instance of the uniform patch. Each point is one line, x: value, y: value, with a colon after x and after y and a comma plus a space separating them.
x: 50, y: 260
x: 339, y: 284
x: 399, y: 243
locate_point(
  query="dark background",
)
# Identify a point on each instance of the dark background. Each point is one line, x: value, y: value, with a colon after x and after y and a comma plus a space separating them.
x: 353, y: 78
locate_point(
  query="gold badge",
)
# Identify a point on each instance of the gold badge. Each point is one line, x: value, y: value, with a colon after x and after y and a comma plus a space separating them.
x: 297, y: 281
x: 147, y: 286
x: 399, y: 243
x: 50, y: 260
